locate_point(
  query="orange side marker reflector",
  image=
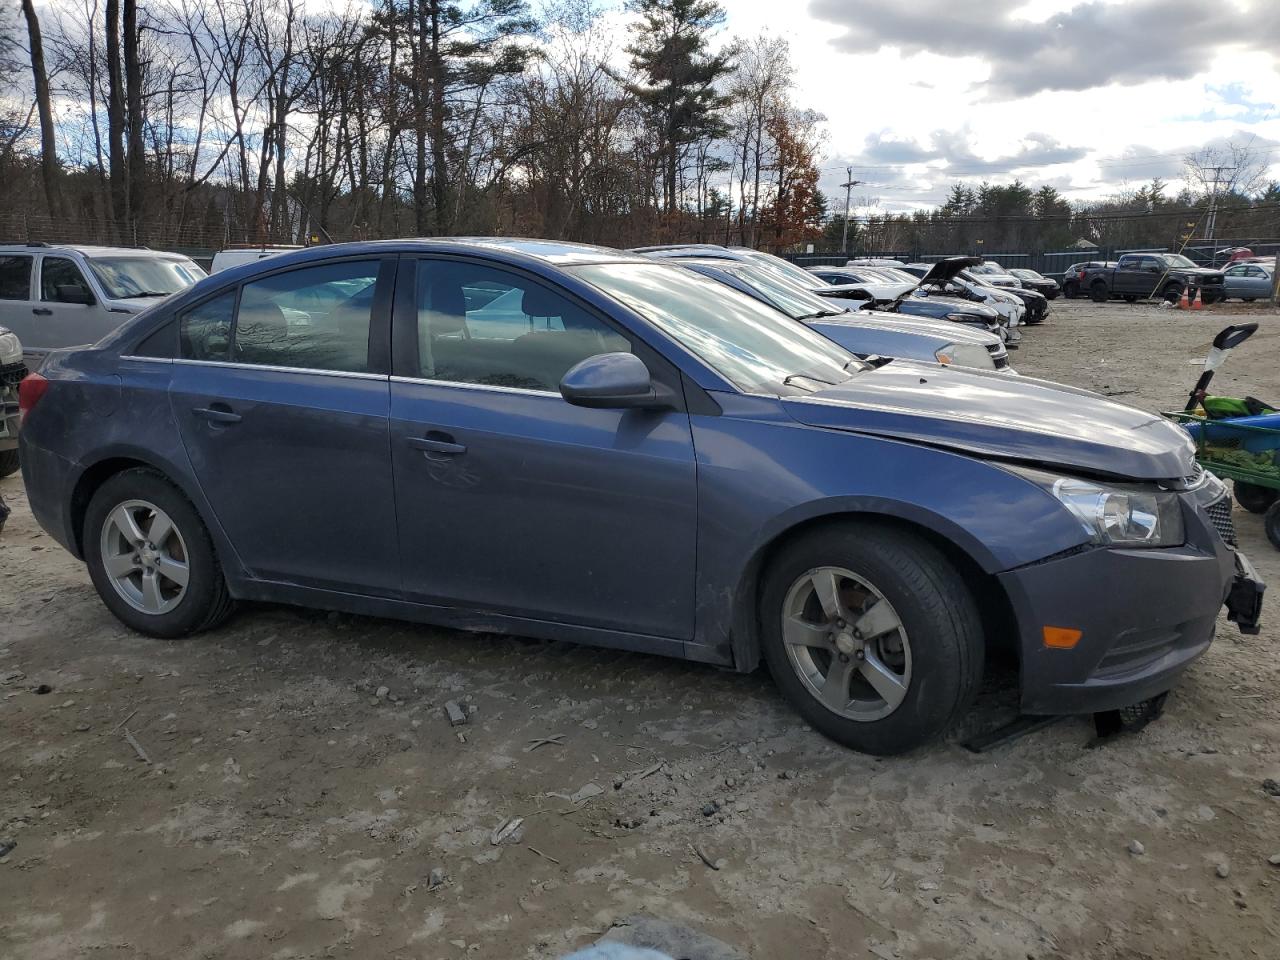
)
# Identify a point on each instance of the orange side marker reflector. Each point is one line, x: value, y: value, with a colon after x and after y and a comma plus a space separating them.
x: 1061, y: 638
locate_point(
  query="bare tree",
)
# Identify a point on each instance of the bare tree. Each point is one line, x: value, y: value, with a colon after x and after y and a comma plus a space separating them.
x: 48, y: 146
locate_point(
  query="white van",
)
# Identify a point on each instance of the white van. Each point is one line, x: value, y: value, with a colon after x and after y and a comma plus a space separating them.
x: 238, y: 256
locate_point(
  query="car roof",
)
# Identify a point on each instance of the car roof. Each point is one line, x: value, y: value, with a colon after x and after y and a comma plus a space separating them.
x: 87, y: 250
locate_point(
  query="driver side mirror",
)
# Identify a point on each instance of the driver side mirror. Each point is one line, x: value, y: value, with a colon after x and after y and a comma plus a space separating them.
x: 74, y: 293
x: 612, y: 381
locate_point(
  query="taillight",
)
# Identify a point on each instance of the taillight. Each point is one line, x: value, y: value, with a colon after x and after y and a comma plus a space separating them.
x: 1080, y: 275
x: 30, y: 390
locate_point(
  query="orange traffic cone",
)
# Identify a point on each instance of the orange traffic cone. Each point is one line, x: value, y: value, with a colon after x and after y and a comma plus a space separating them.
x: 1197, y: 304
x: 1185, y: 302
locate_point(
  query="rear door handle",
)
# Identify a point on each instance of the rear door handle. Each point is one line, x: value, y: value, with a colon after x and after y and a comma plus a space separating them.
x: 437, y: 443
x: 42, y: 311
x: 216, y: 414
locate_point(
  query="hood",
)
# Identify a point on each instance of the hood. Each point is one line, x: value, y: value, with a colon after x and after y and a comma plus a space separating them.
x: 1026, y: 294
x: 1009, y: 418
x: 135, y: 304
x: 1196, y: 271
x: 896, y: 322
x: 948, y: 268
x: 878, y: 291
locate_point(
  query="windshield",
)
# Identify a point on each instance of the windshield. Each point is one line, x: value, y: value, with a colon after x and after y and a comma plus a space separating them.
x: 786, y: 296
x: 749, y: 343
x: 125, y: 277
x: 1027, y: 274
x: 1178, y: 260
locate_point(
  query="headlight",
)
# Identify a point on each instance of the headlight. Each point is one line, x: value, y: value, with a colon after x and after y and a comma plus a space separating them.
x: 965, y: 355
x: 1117, y: 515
x: 10, y: 349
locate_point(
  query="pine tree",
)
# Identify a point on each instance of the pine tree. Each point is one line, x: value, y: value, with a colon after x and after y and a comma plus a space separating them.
x: 676, y: 79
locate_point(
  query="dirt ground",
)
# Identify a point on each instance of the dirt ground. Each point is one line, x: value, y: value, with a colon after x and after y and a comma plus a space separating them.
x: 291, y: 808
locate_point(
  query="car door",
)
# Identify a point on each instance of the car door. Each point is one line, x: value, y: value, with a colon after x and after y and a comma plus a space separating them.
x: 281, y: 394
x: 512, y: 501
x: 69, y: 312
x: 17, y: 273
x: 1129, y: 277
x: 1257, y: 283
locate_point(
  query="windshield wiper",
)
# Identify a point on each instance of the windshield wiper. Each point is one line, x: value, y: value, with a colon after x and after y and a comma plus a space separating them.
x: 146, y: 293
x: 822, y: 313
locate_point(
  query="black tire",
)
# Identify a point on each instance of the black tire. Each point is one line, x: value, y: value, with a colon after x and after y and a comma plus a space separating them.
x: 1052, y: 294
x: 8, y: 463
x: 936, y: 611
x: 1130, y: 298
x: 1172, y: 292
x: 206, y: 601
x: 1245, y: 299
x: 1271, y: 523
x: 1070, y: 290
x: 1098, y: 292
x: 1254, y: 498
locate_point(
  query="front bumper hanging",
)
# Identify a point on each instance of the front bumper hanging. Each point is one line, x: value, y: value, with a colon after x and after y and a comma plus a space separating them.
x: 1244, y: 599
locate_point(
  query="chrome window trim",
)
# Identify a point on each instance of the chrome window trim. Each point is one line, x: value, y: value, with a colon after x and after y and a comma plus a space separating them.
x: 476, y: 386
x: 271, y: 368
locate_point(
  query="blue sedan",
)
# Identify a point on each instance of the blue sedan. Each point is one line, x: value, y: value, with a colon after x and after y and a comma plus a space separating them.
x: 570, y: 442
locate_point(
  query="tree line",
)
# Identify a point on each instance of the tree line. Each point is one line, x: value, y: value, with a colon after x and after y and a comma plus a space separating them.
x: 234, y: 121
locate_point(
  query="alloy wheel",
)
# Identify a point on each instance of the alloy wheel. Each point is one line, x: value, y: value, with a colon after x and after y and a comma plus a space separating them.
x: 846, y: 643
x: 145, y: 557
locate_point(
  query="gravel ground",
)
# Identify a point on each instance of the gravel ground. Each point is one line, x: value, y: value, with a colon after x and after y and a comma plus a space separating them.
x: 302, y: 783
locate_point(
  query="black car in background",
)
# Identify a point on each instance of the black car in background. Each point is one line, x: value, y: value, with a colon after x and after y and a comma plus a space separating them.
x: 1037, y: 282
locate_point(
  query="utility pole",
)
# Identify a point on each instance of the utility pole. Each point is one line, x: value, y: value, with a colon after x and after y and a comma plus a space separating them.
x: 1212, y: 220
x: 848, y: 187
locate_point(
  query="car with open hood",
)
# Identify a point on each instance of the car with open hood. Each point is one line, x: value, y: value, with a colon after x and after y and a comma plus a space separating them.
x: 948, y: 277
x: 892, y: 290
x: 575, y: 443
x: 64, y: 295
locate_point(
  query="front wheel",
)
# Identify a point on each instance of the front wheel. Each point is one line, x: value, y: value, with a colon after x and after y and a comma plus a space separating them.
x: 1098, y: 293
x: 8, y: 463
x: 151, y: 558
x: 872, y: 635
x: 1070, y: 290
x: 1254, y: 498
x: 1172, y: 292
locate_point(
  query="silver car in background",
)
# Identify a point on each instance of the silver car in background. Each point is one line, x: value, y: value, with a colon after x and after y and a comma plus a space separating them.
x: 12, y: 370
x: 55, y: 296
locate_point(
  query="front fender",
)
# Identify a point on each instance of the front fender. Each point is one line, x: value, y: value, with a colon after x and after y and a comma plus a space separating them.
x: 762, y: 474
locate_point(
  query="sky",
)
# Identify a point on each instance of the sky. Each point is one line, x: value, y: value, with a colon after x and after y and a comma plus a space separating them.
x: 1090, y: 97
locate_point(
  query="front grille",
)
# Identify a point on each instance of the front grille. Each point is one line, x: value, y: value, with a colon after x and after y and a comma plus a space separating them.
x: 1220, y: 515
x: 11, y: 374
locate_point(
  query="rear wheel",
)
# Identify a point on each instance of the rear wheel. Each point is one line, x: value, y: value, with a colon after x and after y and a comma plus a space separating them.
x: 151, y: 558
x: 1246, y: 299
x: 872, y: 635
x: 1254, y: 498
x: 1271, y: 522
x: 1098, y: 292
x: 8, y: 463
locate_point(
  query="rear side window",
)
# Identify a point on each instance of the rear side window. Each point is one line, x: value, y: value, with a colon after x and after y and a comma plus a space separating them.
x: 15, y: 278
x: 315, y: 318
x: 204, y: 331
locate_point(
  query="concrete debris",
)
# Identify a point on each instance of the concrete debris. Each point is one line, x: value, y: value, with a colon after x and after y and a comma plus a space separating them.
x: 506, y: 831
x: 456, y: 715
x: 1136, y: 848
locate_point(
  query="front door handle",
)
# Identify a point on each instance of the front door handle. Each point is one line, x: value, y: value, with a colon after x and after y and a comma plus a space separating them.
x: 42, y: 311
x: 217, y: 414
x: 436, y: 442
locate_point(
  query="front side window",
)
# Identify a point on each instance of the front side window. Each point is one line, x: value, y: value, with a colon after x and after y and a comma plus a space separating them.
x: 127, y: 277
x: 315, y: 318
x: 61, y: 281
x: 481, y: 325
x: 204, y: 331
x: 748, y: 342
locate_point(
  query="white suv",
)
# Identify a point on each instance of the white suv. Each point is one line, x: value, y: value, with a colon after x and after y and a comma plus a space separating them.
x: 55, y: 296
